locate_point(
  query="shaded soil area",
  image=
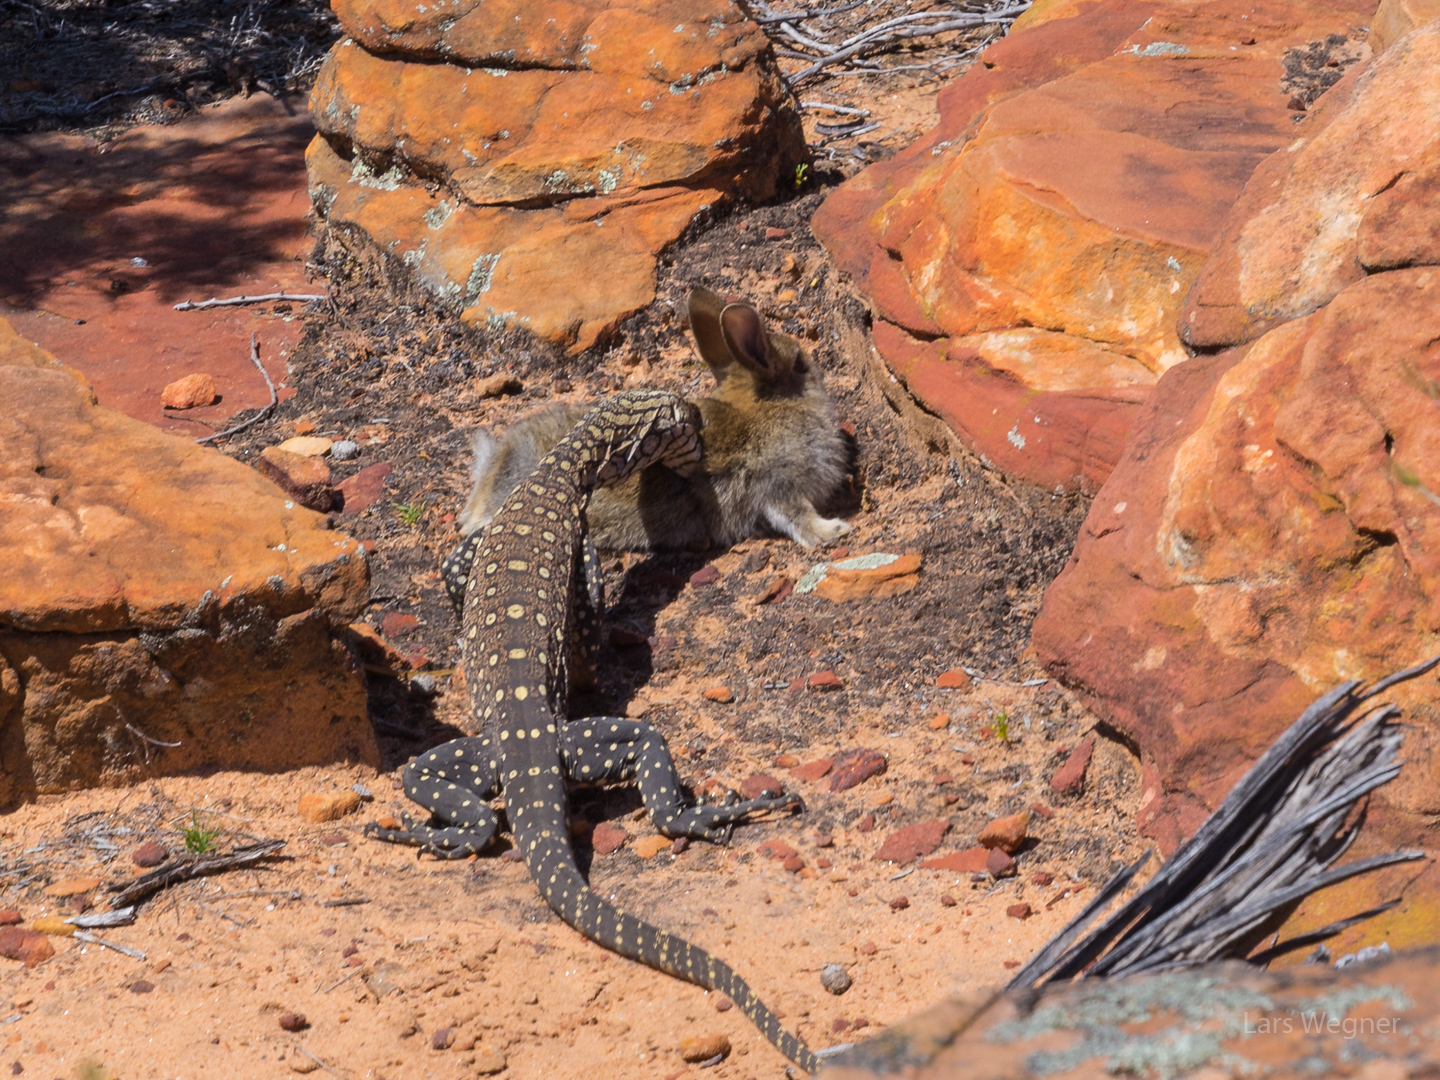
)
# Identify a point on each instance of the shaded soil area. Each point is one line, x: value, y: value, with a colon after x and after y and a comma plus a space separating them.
x: 106, y: 65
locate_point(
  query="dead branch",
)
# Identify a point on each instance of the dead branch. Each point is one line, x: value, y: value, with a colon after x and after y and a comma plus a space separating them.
x: 264, y: 298
x: 274, y: 398
x: 91, y: 939
x: 191, y: 868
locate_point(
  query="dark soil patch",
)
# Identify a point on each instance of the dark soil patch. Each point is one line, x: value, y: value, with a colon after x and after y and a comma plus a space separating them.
x: 105, y: 66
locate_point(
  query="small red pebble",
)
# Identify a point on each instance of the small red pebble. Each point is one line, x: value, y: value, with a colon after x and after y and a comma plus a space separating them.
x: 899, y: 903
x: 1012, y: 964
x: 867, y: 948
x: 605, y: 839
x: 719, y: 694
x: 848, y: 428
x: 1041, y: 809
x: 777, y: 590
x: 866, y: 823
x: 940, y: 720
x: 293, y: 1021
x: 943, y: 778
x: 853, y: 892
x: 776, y: 849
x: 954, y: 679
x: 839, y: 553
x: 760, y: 785
x: 151, y: 853
x: 1043, y: 878
x: 369, y: 546
x: 950, y: 800
x: 141, y: 986
x: 946, y: 900
x: 680, y: 846
x: 794, y: 864
x: 786, y: 761
x: 999, y: 864
x: 772, y: 233
x: 397, y: 622
x: 1019, y: 911
x: 10, y: 917
x: 441, y: 1038
x: 706, y: 575
x: 823, y: 681
x: 966, y: 759
x: 823, y: 863
x: 1248, y: 39
x: 723, y: 1003
x: 824, y: 840
x: 350, y: 950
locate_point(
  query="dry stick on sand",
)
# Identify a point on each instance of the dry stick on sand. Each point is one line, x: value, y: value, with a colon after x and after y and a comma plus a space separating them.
x: 189, y: 869
x: 232, y: 301
x: 254, y: 359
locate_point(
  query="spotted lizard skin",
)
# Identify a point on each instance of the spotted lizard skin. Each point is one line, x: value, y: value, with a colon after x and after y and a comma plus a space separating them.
x: 521, y: 591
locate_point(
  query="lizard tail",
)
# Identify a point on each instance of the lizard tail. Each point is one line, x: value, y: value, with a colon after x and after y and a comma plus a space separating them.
x: 553, y: 867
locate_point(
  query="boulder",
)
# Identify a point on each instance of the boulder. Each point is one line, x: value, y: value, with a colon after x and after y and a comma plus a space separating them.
x: 1356, y: 192
x: 163, y: 608
x: 1396, y: 18
x: 1027, y: 259
x: 530, y: 162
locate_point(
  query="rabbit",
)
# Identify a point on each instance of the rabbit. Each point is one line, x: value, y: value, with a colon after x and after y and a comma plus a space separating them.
x: 772, y: 451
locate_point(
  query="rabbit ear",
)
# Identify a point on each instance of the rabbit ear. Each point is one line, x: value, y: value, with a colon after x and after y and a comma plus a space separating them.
x: 705, y: 308
x: 745, y: 336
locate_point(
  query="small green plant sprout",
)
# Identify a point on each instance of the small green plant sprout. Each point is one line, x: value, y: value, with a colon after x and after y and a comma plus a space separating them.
x: 802, y: 173
x: 1001, y: 727
x: 410, y: 513
x: 198, y: 839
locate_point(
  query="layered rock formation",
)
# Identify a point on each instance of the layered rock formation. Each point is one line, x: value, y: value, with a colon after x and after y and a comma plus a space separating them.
x: 163, y: 608
x: 1274, y: 525
x: 1027, y: 259
x: 529, y: 161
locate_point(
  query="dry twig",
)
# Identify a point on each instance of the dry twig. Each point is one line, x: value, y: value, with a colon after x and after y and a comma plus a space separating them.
x: 191, y: 868
x: 265, y: 298
x: 274, y: 398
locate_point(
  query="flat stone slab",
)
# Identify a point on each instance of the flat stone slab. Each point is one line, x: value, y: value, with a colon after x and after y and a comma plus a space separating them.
x: 163, y: 608
x: 214, y: 205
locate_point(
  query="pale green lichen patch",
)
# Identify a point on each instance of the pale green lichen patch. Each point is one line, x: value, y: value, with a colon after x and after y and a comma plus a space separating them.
x: 482, y: 273
x: 1206, y: 1013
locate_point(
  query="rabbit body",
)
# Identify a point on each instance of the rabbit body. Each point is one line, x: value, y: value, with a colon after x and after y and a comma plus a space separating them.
x: 772, y: 451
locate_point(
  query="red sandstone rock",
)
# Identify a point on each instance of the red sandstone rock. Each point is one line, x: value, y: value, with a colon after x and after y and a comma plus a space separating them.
x: 1028, y: 257
x: 561, y: 178
x: 188, y: 392
x: 398, y: 622
x: 719, y: 694
x: 1270, y: 533
x: 1006, y: 833
x: 1019, y: 911
x: 1069, y: 779
x: 869, y: 576
x: 159, y: 576
x: 1396, y: 18
x: 10, y: 917
x: 911, y: 842
x: 1356, y: 192
x: 28, y: 946
x: 322, y: 806
x: 823, y: 682
x: 362, y: 489
x: 758, y: 785
x: 999, y: 863
x: 813, y: 770
x: 854, y: 767
x: 776, y: 849
x: 304, y: 479
x: 954, y: 679
x: 607, y: 838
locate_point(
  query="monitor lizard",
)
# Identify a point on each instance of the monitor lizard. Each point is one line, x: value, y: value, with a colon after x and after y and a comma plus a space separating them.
x: 520, y: 577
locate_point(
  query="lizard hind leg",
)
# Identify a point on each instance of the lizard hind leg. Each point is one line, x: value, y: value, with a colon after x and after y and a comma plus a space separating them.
x: 612, y: 748
x: 452, y: 781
